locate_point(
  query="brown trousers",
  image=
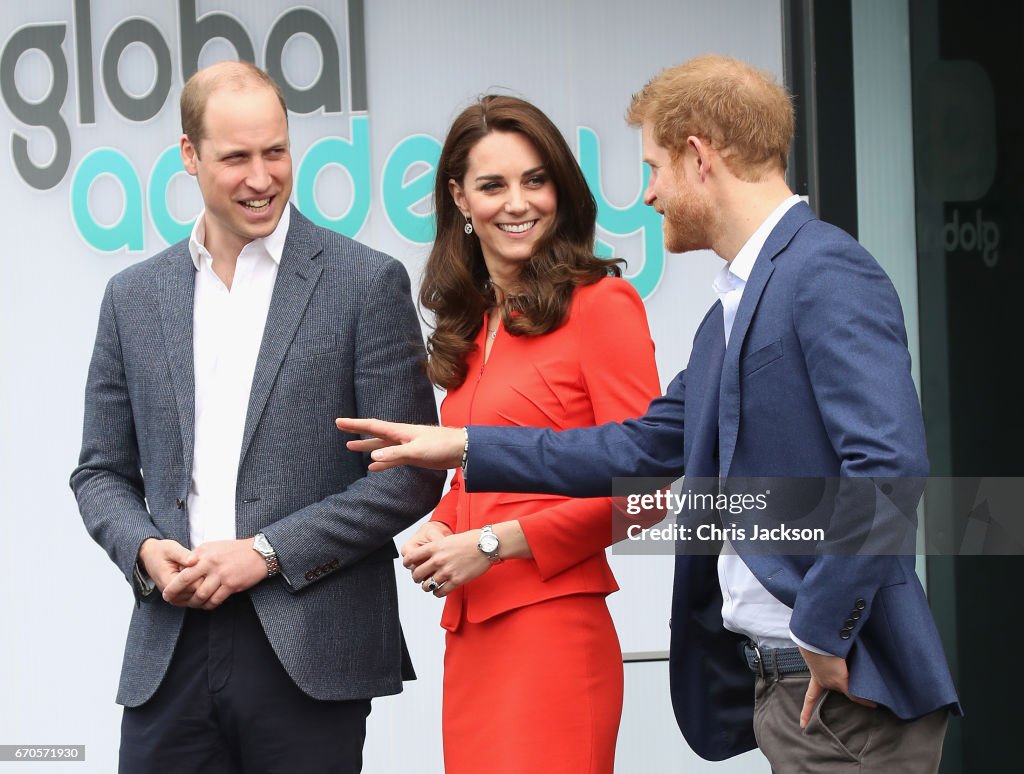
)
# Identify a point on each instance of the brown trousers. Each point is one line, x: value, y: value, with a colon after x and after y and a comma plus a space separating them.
x: 842, y: 736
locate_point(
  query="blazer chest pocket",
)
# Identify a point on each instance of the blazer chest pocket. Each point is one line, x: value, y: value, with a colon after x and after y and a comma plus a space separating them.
x: 317, y: 345
x: 760, y: 358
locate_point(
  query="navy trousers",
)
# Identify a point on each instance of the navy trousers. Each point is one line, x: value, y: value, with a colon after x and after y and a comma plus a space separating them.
x: 227, y: 706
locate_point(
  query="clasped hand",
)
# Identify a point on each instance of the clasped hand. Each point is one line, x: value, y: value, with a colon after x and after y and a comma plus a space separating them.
x: 452, y: 560
x: 203, y: 578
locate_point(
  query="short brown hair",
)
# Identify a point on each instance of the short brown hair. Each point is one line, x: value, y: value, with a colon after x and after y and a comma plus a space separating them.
x: 741, y: 111
x: 198, y: 88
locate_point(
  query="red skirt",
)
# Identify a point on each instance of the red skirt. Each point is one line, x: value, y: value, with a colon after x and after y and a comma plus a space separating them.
x: 536, y: 689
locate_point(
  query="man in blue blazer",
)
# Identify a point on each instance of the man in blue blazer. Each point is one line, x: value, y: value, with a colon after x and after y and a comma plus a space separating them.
x: 800, y: 370
x: 260, y: 553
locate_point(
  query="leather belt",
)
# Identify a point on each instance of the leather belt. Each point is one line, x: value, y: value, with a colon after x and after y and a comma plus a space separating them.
x: 773, y: 661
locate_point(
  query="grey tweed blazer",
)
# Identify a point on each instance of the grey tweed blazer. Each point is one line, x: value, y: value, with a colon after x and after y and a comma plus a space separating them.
x: 341, y: 339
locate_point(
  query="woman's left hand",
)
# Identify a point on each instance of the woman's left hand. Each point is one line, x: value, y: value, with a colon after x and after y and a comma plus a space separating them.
x: 451, y: 562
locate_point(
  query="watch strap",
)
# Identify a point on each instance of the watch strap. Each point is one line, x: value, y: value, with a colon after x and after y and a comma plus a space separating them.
x: 269, y: 555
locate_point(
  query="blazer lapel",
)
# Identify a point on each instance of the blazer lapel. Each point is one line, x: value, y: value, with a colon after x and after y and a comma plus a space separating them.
x: 176, y: 296
x: 729, y: 400
x: 296, y: 278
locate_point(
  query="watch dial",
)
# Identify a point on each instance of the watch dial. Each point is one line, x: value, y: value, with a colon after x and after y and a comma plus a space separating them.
x: 489, y: 543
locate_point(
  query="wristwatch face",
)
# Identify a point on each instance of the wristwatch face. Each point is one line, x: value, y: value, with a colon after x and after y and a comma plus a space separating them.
x: 488, y: 543
x: 261, y: 544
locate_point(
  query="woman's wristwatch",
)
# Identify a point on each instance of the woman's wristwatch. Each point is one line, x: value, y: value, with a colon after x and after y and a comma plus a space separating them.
x: 489, y: 544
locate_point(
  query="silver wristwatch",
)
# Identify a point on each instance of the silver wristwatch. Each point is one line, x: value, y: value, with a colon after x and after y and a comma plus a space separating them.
x: 262, y: 546
x: 489, y: 544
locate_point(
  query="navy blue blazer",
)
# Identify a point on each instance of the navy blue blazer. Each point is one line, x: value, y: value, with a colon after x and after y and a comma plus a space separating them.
x: 815, y: 382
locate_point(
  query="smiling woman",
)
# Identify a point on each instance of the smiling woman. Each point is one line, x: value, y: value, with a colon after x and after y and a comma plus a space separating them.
x: 509, y: 200
x: 530, y: 330
x: 507, y: 172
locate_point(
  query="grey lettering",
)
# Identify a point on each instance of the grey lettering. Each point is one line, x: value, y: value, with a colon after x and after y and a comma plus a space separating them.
x: 196, y: 33
x: 83, y: 62
x: 145, y: 107
x: 326, y: 92
x: 357, y: 57
x: 46, y: 113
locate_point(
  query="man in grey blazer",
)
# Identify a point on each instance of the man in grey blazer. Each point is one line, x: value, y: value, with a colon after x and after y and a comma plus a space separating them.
x: 260, y: 554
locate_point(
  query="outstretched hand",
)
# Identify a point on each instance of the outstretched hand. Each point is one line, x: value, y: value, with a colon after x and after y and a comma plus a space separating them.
x: 392, y: 443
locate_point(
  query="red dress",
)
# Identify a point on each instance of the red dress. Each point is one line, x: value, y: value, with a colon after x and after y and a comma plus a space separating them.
x: 533, y: 668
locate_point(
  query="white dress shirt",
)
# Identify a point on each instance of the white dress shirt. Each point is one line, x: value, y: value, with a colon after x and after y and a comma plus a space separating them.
x: 748, y: 607
x: 226, y: 336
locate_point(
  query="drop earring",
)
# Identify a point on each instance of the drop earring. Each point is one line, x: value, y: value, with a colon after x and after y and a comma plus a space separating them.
x: 468, y: 227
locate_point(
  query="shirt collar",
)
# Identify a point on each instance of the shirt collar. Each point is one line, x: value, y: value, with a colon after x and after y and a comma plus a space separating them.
x: 272, y: 244
x: 741, y: 266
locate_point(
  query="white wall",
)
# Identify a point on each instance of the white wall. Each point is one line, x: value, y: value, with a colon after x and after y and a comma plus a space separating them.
x: 65, y: 609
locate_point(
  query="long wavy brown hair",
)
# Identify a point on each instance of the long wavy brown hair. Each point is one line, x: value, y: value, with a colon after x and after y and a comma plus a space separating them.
x: 455, y: 282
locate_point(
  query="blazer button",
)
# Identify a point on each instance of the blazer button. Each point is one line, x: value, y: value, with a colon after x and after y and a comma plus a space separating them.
x: 179, y: 503
x: 310, y: 576
x: 855, y: 615
x: 844, y: 635
x: 850, y: 623
x: 860, y: 604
